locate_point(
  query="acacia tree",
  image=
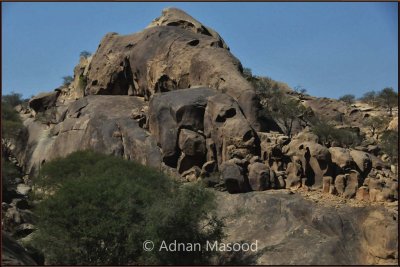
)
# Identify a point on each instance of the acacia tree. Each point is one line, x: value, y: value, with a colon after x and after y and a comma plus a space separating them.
x: 285, y: 110
x: 300, y: 89
x: 389, y: 98
x: 376, y: 124
x: 369, y: 97
x: 67, y: 80
x: 105, y: 207
x: 389, y: 144
x: 349, y: 98
x: 247, y: 72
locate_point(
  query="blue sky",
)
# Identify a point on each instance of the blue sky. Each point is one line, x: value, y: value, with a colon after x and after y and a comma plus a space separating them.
x: 330, y: 49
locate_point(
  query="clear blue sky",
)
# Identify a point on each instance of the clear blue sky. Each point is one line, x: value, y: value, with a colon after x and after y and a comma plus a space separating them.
x: 329, y: 48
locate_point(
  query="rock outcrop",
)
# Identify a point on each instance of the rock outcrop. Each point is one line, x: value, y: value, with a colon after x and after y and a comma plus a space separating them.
x: 334, y: 234
x: 173, y: 97
x: 178, y: 18
x: 168, y: 56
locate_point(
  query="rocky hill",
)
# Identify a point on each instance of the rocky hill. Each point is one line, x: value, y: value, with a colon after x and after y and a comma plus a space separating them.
x: 173, y: 97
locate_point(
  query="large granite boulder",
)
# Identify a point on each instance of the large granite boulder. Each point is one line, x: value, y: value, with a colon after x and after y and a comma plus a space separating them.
x: 363, y: 161
x: 229, y: 130
x: 233, y: 177
x: 259, y: 179
x: 43, y: 101
x: 315, y: 158
x: 172, y: 111
x: 182, y: 54
x: 334, y: 234
x: 341, y: 157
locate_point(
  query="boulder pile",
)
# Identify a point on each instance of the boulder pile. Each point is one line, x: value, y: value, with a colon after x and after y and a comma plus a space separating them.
x: 173, y: 97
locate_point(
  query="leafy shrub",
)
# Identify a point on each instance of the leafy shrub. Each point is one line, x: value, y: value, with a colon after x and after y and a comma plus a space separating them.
x: 11, y: 122
x: 349, y: 99
x: 388, y: 98
x: 85, y: 54
x: 12, y: 99
x: 284, y: 109
x: 376, y: 123
x: 247, y: 73
x: 369, y: 97
x: 8, y: 174
x: 389, y: 144
x: 82, y: 82
x: 103, y: 208
x: 67, y: 80
x: 329, y: 135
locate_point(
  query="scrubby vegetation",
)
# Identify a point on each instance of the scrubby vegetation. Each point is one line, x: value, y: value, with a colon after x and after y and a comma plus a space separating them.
x: 349, y: 98
x: 82, y: 82
x: 11, y: 128
x: 67, y: 80
x: 329, y: 135
x: 376, y: 124
x: 85, y: 54
x: 11, y: 124
x: 276, y: 105
x: 389, y: 143
x: 387, y: 97
x: 285, y: 110
x: 103, y: 208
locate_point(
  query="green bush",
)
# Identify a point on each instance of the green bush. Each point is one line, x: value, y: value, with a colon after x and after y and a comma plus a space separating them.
x: 370, y: 97
x: 85, y: 54
x: 67, y: 80
x: 387, y: 97
x: 9, y: 172
x: 389, y: 144
x: 11, y: 122
x: 329, y: 135
x: 82, y: 82
x: 349, y: 99
x: 103, y: 208
x: 13, y: 99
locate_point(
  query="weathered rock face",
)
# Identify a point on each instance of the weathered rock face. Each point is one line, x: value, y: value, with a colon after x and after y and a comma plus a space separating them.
x: 43, y: 101
x: 380, y: 239
x: 13, y: 253
x: 335, y: 111
x: 332, y: 234
x: 100, y: 123
x: 166, y: 58
x: 178, y: 18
